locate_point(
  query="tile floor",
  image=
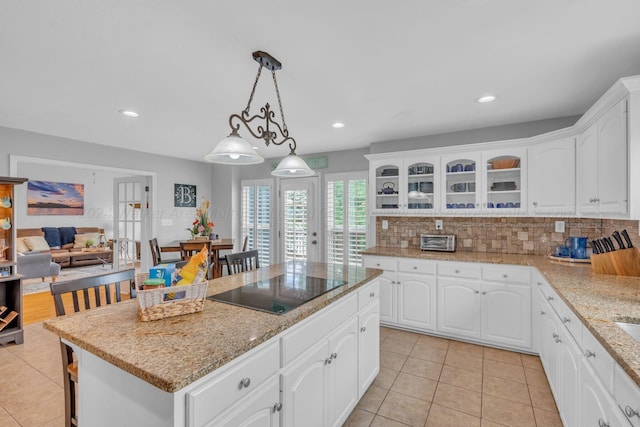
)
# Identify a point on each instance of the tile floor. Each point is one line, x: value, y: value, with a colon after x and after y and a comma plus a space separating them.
x: 435, y: 382
x: 423, y: 381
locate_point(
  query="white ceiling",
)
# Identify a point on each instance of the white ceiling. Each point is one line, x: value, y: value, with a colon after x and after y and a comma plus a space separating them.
x: 387, y: 69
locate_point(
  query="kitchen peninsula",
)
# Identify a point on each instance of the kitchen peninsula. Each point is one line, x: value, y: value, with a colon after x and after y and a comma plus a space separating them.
x: 228, y: 362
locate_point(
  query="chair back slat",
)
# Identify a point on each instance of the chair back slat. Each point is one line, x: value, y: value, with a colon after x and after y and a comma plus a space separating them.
x: 242, y: 261
x: 155, y: 251
x: 85, y: 284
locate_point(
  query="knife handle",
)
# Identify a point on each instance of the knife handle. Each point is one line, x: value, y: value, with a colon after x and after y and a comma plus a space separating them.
x: 618, y: 238
x: 610, y: 243
x: 627, y: 238
x: 594, y: 247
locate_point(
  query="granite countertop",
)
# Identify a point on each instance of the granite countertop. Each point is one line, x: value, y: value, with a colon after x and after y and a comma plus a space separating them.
x: 597, y: 299
x: 172, y: 353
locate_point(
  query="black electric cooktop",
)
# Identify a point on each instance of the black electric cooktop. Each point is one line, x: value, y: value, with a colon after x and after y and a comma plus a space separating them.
x: 278, y: 294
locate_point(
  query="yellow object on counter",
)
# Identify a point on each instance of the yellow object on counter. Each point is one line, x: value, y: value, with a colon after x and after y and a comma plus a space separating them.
x: 189, y: 272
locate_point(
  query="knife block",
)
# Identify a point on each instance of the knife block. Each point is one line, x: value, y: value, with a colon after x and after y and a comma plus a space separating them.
x: 623, y: 262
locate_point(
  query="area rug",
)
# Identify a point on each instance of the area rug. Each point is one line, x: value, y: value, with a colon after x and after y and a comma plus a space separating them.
x: 31, y: 286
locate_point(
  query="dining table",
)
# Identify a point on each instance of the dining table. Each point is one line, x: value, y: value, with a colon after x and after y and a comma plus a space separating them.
x: 217, y: 245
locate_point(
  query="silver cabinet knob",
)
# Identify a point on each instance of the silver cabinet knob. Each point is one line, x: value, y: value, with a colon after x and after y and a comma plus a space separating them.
x: 630, y: 412
x: 549, y: 298
x: 334, y: 355
x: 588, y: 353
x: 535, y: 203
x: 477, y: 292
x: 245, y: 382
x: 378, y: 265
x: 566, y: 320
x: 415, y: 267
x: 372, y: 295
x: 314, y: 242
x: 504, y: 276
x: 555, y: 335
x: 543, y: 312
x: 327, y: 361
x: 484, y: 293
x: 457, y: 271
x: 602, y: 423
x: 539, y: 283
x: 393, y: 282
x: 363, y: 329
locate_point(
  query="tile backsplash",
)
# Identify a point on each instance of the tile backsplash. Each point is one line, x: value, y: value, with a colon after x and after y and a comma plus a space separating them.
x: 515, y: 235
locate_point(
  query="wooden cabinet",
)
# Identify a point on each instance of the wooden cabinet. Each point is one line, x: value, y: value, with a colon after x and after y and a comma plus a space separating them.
x: 10, y: 282
x: 551, y: 177
x: 602, y: 164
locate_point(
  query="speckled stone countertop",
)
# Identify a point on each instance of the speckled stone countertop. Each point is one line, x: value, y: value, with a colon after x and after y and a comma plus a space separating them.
x: 597, y: 299
x: 172, y: 353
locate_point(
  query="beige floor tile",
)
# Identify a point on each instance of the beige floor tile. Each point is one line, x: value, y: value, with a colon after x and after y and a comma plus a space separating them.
x: 29, y: 396
x: 379, y: 421
x: 440, y: 416
x: 506, y: 412
x: 42, y: 412
x: 385, y: 378
x: 487, y: 423
x: 461, y: 378
x: 426, y: 352
x: 422, y: 368
x: 410, y: 337
x: 434, y: 342
x: 384, y: 332
x: 504, y: 356
x: 468, y: 361
x: 542, y: 398
x: 503, y: 370
x: 530, y: 361
x: 459, y: 399
x: 536, y: 378
x: 372, y: 399
x: 404, y: 409
x: 414, y: 386
x: 58, y: 422
x: 391, y: 360
x: 547, y: 419
x: 394, y: 345
x: 359, y: 418
x: 465, y: 347
x: 7, y: 420
x: 510, y: 390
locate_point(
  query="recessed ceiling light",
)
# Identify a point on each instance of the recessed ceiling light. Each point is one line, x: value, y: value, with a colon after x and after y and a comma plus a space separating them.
x: 255, y: 148
x: 487, y: 98
x: 337, y: 125
x: 129, y: 113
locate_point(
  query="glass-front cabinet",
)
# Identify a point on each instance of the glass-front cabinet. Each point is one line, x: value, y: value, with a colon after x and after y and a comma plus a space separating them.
x: 462, y: 184
x: 505, y: 181
x: 404, y: 185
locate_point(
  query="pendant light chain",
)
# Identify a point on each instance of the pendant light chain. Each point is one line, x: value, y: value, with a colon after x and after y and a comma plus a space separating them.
x: 253, y: 90
x: 275, y: 83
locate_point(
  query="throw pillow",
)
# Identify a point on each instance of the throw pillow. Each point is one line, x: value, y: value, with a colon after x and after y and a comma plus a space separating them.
x: 81, y: 239
x: 36, y: 243
x: 21, y: 246
x: 52, y: 236
x: 67, y: 235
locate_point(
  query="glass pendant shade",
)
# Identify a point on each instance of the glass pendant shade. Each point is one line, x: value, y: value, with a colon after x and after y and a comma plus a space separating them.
x: 292, y: 166
x: 233, y: 150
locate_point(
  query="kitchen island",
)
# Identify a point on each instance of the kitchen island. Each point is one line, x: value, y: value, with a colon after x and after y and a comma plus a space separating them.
x: 172, y: 371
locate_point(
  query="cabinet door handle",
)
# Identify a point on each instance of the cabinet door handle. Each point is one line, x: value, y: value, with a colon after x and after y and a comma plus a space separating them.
x: 363, y: 329
x: 397, y: 283
x: 378, y: 265
x: 277, y: 407
x: 543, y: 312
x: 457, y: 271
x: 539, y: 283
x: 602, y: 423
x: 393, y: 282
x: 630, y: 412
x: 588, y: 353
x: 477, y: 292
x: 555, y: 335
x: 245, y: 382
x: 327, y: 361
x: 504, y: 276
x: 372, y: 295
x: 415, y: 267
x: 535, y: 204
x: 566, y: 320
x: 558, y: 340
x: 484, y: 293
x: 334, y: 355
x: 549, y: 298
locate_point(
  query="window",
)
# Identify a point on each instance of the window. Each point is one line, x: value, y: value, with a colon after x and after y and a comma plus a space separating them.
x: 256, y: 217
x: 346, y: 215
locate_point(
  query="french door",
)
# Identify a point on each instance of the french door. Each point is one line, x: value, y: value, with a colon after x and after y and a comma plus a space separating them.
x: 300, y: 220
x: 131, y: 225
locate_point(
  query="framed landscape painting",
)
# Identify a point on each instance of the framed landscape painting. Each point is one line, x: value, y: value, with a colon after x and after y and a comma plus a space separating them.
x: 54, y: 198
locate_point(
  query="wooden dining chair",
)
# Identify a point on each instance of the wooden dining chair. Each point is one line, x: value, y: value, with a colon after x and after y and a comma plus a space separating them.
x: 223, y: 259
x: 98, y: 290
x: 189, y: 249
x: 242, y: 261
x: 156, y: 253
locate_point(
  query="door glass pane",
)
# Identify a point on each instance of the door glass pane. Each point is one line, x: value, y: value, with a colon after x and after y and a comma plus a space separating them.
x: 503, y: 183
x: 346, y: 220
x: 295, y: 225
x: 256, y: 219
x: 461, y: 184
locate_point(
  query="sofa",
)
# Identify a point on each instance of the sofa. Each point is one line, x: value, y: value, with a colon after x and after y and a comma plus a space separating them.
x: 64, y: 244
x: 34, y: 264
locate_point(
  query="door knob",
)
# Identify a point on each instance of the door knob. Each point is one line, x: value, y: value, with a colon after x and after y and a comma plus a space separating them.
x: 314, y: 242
x: 314, y: 234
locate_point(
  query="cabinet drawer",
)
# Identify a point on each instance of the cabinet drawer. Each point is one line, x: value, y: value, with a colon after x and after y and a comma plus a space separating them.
x: 455, y: 269
x: 507, y: 275
x: 224, y: 389
x: 599, y: 359
x: 313, y: 329
x: 368, y: 294
x: 417, y: 266
x: 569, y: 319
x: 384, y: 263
x: 627, y: 395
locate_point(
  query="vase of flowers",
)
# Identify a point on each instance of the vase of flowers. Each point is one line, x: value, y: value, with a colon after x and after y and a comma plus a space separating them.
x: 202, y: 226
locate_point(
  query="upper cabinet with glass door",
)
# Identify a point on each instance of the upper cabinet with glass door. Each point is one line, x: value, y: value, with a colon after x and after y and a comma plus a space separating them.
x: 505, y: 180
x: 461, y: 183
x: 421, y: 185
x: 385, y: 185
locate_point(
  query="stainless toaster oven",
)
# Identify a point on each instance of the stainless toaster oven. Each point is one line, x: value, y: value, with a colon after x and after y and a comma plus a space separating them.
x: 438, y: 242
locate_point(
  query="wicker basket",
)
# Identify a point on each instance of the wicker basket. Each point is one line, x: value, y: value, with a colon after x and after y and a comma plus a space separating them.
x: 505, y: 164
x: 153, y: 305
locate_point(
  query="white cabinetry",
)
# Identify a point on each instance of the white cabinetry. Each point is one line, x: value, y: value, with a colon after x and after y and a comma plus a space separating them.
x: 506, y: 314
x: 260, y: 409
x: 368, y: 343
x: 602, y: 164
x: 459, y: 307
x: 504, y: 183
x: 388, y: 303
x: 597, y: 406
x: 461, y: 190
x: 627, y: 396
x: 551, y: 169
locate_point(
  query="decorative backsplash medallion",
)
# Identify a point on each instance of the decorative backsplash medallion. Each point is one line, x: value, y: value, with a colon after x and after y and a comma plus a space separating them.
x: 515, y: 235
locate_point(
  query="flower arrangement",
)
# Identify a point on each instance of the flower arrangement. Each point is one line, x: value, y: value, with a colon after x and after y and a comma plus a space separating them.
x: 202, y: 225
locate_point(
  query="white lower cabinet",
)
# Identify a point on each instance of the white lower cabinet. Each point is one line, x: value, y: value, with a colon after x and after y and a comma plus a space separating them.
x: 368, y: 347
x: 627, y: 396
x: 321, y: 387
x: 416, y: 296
x: 506, y: 314
x: 459, y: 307
x: 260, y: 409
x: 598, y: 407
